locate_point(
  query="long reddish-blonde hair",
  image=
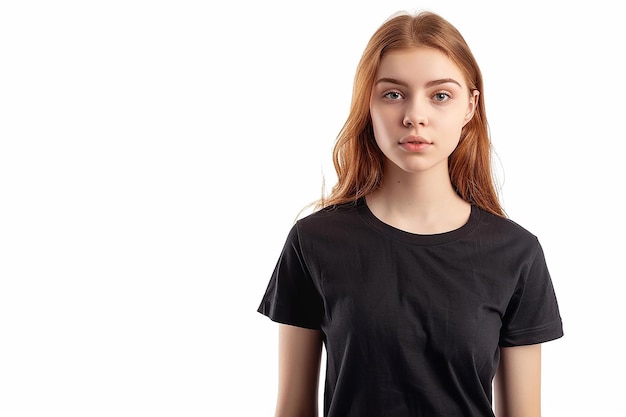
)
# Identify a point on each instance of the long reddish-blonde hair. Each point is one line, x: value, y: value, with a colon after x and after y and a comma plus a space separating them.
x: 357, y: 159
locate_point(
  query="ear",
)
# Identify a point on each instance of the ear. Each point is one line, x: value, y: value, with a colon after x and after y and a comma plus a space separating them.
x: 471, y: 107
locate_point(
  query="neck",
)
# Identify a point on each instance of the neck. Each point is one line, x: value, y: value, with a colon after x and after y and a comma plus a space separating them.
x: 423, y: 202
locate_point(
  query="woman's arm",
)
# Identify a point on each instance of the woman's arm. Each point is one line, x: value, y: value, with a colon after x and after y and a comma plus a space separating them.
x: 299, y: 359
x: 517, y: 385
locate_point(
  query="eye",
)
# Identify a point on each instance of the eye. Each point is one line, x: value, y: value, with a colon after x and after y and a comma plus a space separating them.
x: 392, y: 95
x: 441, y: 96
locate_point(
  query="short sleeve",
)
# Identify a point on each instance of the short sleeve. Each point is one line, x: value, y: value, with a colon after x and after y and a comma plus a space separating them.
x: 291, y: 296
x: 532, y: 315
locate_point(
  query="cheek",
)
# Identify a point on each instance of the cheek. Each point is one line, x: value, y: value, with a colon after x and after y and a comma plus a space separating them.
x: 381, y: 120
x: 452, y: 124
x: 379, y: 128
x: 375, y: 118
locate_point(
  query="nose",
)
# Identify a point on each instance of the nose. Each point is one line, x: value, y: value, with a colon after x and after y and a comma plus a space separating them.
x: 415, y: 113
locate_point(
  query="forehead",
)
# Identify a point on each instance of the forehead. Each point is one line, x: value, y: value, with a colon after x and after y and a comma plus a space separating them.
x: 418, y: 65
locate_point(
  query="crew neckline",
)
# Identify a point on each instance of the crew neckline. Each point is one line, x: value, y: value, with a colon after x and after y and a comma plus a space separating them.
x: 414, y: 238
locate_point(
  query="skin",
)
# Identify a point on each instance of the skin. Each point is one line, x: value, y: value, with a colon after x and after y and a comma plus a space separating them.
x: 299, y: 360
x: 419, y: 95
x: 517, y: 385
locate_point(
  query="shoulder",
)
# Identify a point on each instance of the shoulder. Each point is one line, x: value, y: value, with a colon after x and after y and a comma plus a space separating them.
x: 506, y: 242
x: 330, y: 216
x: 505, y: 229
x: 330, y: 223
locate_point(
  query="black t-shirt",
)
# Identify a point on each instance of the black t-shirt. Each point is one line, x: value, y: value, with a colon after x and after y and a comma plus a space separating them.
x: 412, y: 324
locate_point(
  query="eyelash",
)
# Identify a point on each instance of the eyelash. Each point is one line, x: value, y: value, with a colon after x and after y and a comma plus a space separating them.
x: 386, y: 94
x: 445, y: 93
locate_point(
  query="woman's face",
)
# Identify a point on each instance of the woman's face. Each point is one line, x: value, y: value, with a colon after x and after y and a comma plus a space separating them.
x: 419, y: 104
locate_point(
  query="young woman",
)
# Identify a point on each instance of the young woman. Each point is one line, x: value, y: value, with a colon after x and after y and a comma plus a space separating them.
x: 410, y: 274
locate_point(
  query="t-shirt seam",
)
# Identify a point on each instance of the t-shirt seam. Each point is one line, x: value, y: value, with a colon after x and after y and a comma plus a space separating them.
x: 532, y: 329
x: 390, y: 237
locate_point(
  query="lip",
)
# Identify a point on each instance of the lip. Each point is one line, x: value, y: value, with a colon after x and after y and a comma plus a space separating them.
x: 414, y: 143
x: 414, y: 139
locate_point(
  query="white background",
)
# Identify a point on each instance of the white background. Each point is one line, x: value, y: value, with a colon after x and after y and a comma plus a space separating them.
x: 154, y: 154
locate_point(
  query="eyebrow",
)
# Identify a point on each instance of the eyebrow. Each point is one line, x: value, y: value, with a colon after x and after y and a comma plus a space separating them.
x: 428, y: 84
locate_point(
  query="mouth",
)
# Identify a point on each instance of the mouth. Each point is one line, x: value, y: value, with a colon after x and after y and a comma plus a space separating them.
x: 414, y: 144
x: 417, y: 140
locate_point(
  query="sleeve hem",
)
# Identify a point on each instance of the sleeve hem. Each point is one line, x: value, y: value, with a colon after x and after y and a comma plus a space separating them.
x: 542, y: 334
x: 271, y: 311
